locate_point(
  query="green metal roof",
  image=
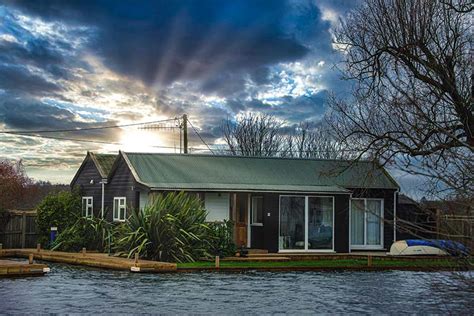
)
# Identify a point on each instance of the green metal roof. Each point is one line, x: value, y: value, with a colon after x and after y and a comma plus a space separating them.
x: 104, y: 163
x: 204, y: 172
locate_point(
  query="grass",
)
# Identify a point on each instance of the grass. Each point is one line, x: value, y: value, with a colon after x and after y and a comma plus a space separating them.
x: 328, y: 263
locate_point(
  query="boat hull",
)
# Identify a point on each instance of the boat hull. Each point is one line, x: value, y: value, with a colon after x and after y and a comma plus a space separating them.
x: 401, y: 248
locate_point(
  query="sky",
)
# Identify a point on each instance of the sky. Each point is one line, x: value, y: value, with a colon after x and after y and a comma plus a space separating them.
x: 82, y: 64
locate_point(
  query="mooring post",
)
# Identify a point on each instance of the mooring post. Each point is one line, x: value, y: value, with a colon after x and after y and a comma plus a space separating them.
x: 1, y: 246
x: 217, y: 262
x: 38, y: 247
x: 30, y: 258
x: 83, y: 251
x: 369, y: 260
x: 136, y: 259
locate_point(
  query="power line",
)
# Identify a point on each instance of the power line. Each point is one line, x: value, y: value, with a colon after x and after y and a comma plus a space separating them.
x: 68, y: 139
x: 17, y: 132
x: 84, y: 140
x: 199, y: 135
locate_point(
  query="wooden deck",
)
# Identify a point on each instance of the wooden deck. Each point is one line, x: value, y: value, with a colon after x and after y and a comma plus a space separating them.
x: 10, y: 268
x: 299, y: 256
x: 96, y: 260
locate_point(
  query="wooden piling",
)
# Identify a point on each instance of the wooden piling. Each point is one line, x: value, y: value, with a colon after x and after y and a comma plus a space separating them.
x: 30, y: 258
x: 38, y: 247
x: 369, y: 260
x: 136, y: 259
x: 84, y: 251
x: 218, y: 262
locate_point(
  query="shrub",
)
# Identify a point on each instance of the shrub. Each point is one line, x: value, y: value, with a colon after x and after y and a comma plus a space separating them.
x: 61, y: 210
x: 221, y: 239
x: 172, y: 228
x: 90, y: 232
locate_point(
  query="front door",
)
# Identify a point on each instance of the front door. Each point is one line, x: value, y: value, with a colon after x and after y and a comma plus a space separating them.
x: 240, y: 217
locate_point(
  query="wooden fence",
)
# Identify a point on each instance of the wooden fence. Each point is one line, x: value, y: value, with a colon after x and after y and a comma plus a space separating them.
x: 458, y: 228
x: 19, y: 231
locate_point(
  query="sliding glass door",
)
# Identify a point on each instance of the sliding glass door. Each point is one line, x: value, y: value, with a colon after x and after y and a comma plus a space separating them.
x: 367, y: 223
x: 320, y: 222
x: 306, y: 223
x: 292, y: 222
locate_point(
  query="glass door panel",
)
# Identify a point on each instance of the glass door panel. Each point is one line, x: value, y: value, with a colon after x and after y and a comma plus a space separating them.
x: 357, y: 222
x: 320, y: 223
x: 292, y: 222
x: 374, y: 218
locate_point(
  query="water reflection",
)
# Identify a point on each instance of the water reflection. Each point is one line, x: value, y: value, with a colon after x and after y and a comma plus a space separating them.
x: 80, y: 290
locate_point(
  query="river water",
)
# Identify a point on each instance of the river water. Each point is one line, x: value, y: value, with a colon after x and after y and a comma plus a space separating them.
x: 69, y: 289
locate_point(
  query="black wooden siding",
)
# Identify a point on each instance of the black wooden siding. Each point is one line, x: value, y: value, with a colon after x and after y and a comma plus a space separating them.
x: 121, y: 184
x: 83, y: 182
x: 270, y: 229
x: 267, y: 236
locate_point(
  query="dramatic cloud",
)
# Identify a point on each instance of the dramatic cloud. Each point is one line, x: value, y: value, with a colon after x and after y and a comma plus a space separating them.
x: 79, y: 64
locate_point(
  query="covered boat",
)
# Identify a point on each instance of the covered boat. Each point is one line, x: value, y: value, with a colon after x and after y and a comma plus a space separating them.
x: 435, y: 247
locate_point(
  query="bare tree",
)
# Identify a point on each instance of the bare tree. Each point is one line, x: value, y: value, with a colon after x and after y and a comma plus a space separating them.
x: 412, y: 102
x: 264, y: 135
x: 254, y: 135
x: 311, y: 141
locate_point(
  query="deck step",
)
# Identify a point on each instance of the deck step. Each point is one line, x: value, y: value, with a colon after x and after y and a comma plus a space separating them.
x: 257, y: 251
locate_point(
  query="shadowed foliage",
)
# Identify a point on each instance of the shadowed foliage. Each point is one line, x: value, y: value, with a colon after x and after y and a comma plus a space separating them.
x: 171, y: 228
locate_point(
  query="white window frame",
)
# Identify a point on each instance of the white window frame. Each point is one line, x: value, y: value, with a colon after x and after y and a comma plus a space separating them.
x: 253, y: 216
x: 306, y: 222
x: 88, y: 204
x: 365, y: 246
x: 120, y: 207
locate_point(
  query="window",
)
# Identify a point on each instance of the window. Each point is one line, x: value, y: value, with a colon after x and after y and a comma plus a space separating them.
x: 217, y: 206
x: 87, y: 206
x: 257, y: 211
x: 120, y: 209
x: 306, y: 223
x: 367, y: 223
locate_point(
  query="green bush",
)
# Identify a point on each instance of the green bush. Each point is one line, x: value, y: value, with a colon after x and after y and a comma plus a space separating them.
x: 172, y: 228
x: 90, y: 232
x: 221, y: 239
x: 61, y: 210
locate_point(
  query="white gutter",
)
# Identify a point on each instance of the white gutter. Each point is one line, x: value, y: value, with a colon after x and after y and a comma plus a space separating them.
x: 103, y: 182
x: 350, y: 223
x: 395, y: 216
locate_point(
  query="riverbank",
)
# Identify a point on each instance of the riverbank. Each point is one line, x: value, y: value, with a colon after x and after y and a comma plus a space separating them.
x: 356, y: 262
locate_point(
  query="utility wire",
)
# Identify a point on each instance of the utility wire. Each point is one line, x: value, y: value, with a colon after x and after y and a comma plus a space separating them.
x: 17, y: 132
x: 68, y: 139
x: 199, y: 135
x: 83, y: 140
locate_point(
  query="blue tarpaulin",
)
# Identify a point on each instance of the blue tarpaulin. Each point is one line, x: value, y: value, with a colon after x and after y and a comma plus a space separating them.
x: 451, y: 247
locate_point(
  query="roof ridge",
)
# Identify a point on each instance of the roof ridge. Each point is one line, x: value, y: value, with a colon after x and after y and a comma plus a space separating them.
x: 248, y: 157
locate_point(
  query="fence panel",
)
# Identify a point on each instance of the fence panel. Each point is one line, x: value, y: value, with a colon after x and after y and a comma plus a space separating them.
x: 20, y: 230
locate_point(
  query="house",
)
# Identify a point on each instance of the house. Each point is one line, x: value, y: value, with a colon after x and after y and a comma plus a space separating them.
x: 278, y: 204
x: 413, y: 220
x: 91, y: 179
